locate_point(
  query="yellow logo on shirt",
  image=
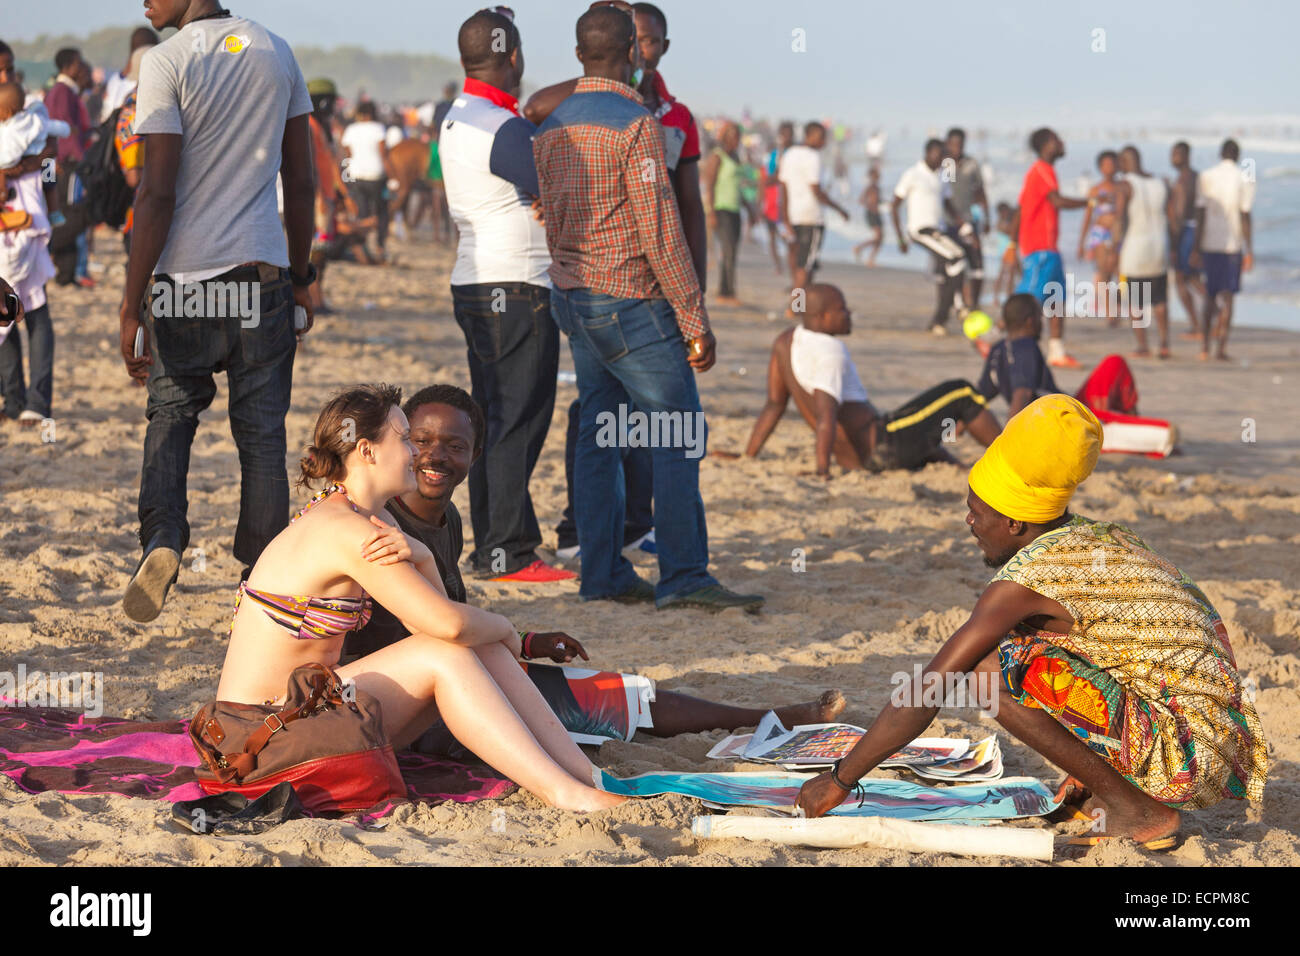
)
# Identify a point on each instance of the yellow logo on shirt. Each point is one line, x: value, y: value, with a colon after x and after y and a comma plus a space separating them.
x: 234, y: 44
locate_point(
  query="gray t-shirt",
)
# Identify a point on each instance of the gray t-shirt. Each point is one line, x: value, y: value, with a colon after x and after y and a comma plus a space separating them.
x: 966, y: 184
x: 227, y: 86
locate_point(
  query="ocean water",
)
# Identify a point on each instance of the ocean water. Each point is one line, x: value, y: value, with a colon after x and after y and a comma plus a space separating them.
x: 1270, y: 296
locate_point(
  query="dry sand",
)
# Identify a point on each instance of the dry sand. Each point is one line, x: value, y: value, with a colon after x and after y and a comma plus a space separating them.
x: 891, y: 570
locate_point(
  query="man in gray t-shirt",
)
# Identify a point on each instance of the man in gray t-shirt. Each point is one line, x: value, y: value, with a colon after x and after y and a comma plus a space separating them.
x: 965, y: 190
x: 222, y: 108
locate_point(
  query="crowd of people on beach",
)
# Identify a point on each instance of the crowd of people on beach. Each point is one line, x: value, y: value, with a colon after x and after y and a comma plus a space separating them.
x: 588, y: 211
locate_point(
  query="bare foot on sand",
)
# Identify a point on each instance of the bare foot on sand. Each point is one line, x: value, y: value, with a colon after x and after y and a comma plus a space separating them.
x: 1144, y: 821
x: 820, y: 711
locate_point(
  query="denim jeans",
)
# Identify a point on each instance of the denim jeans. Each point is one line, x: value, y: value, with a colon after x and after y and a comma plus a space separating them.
x: 629, y: 352
x: 514, y: 352
x: 18, y: 397
x: 257, y: 358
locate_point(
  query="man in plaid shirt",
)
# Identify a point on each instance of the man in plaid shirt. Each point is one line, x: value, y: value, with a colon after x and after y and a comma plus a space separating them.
x: 627, y: 297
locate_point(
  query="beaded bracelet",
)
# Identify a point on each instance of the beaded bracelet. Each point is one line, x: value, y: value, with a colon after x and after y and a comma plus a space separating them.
x: 524, y: 638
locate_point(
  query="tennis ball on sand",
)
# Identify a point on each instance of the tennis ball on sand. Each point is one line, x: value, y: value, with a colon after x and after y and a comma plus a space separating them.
x: 976, y: 324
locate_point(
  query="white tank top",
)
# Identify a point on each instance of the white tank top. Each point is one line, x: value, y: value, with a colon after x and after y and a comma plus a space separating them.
x: 1145, y: 250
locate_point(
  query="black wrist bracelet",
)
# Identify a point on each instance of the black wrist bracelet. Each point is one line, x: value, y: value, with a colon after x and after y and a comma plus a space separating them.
x: 835, y: 775
x: 306, y: 280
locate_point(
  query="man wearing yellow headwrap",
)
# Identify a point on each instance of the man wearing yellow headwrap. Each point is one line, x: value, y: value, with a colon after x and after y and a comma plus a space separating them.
x: 1106, y: 659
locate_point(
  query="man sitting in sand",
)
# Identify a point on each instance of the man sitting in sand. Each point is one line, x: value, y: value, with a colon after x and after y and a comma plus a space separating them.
x: 1114, y: 665
x: 447, y: 430
x: 809, y: 364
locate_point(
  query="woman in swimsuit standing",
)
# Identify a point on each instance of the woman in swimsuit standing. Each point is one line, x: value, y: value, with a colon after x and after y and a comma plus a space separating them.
x: 314, y: 584
x: 1097, y: 238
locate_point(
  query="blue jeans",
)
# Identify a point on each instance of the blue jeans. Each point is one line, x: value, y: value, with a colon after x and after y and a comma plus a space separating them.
x: 18, y: 398
x: 258, y: 362
x: 629, y: 352
x: 514, y: 351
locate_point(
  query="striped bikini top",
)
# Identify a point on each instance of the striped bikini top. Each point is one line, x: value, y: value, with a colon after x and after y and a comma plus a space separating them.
x: 305, y: 617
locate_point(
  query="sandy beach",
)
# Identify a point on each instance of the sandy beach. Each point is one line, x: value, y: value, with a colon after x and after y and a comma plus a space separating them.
x: 891, y: 570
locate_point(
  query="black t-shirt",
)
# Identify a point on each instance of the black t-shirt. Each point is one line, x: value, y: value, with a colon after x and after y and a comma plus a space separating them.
x: 1013, y: 364
x: 446, y: 543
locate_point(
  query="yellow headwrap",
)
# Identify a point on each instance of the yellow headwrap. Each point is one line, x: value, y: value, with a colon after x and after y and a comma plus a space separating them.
x: 1030, y: 471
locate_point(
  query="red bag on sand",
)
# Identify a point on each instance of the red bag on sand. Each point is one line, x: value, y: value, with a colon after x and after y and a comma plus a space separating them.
x: 327, y: 740
x: 1111, y: 393
x: 1152, y: 437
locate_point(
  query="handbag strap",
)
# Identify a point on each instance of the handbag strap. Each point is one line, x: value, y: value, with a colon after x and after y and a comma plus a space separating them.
x: 241, y: 763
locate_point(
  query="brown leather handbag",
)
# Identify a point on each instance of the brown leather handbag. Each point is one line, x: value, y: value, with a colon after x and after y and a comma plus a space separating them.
x: 327, y: 740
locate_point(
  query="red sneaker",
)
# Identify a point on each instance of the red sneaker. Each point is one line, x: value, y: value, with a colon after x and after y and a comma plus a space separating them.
x: 539, y: 572
x: 1064, y: 361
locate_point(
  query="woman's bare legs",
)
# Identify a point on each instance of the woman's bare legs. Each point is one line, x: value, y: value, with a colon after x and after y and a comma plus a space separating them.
x: 407, y: 676
x: 533, y: 709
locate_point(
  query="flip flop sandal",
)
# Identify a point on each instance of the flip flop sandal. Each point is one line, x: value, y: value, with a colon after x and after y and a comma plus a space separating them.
x: 1158, y: 844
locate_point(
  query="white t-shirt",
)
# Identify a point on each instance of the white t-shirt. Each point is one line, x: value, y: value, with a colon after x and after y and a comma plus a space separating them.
x: 922, y: 189
x: 393, y: 136
x: 1224, y: 193
x: 801, y: 169
x: 364, y: 140
x: 1145, y: 250
x: 821, y: 362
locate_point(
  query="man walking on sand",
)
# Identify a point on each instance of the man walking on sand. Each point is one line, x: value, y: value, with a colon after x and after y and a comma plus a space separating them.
x: 802, y: 198
x: 1224, y: 197
x: 207, y: 233
x: 627, y: 296
x: 1181, y: 213
x: 1040, y: 224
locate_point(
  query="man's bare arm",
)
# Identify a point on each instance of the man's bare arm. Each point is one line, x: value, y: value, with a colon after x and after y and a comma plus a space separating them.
x: 298, y: 174
x: 896, y: 205
x: 826, y: 200
x: 1001, y: 607
x: 778, y: 397
x: 686, y: 187
x: 1065, y: 202
x: 543, y: 103
x: 828, y: 411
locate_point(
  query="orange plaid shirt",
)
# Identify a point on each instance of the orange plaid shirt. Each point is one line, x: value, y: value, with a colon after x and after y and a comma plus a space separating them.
x: 612, y: 223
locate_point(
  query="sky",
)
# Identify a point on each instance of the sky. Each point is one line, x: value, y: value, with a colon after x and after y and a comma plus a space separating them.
x: 1015, y: 64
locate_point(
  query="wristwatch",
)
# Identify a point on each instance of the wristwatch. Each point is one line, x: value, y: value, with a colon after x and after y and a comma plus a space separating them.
x: 303, y: 281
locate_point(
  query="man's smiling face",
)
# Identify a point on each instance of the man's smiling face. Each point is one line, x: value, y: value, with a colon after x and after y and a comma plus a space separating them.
x: 444, y: 448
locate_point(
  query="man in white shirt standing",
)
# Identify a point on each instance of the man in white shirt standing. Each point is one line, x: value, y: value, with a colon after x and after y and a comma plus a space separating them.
x: 119, y: 85
x: 501, y: 295
x: 922, y: 188
x: 802, y: 198
x: 366, y: 168
x: 1224, y: 197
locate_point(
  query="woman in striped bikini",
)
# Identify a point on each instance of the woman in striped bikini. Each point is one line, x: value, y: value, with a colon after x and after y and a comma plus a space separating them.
x: 314, y: 584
